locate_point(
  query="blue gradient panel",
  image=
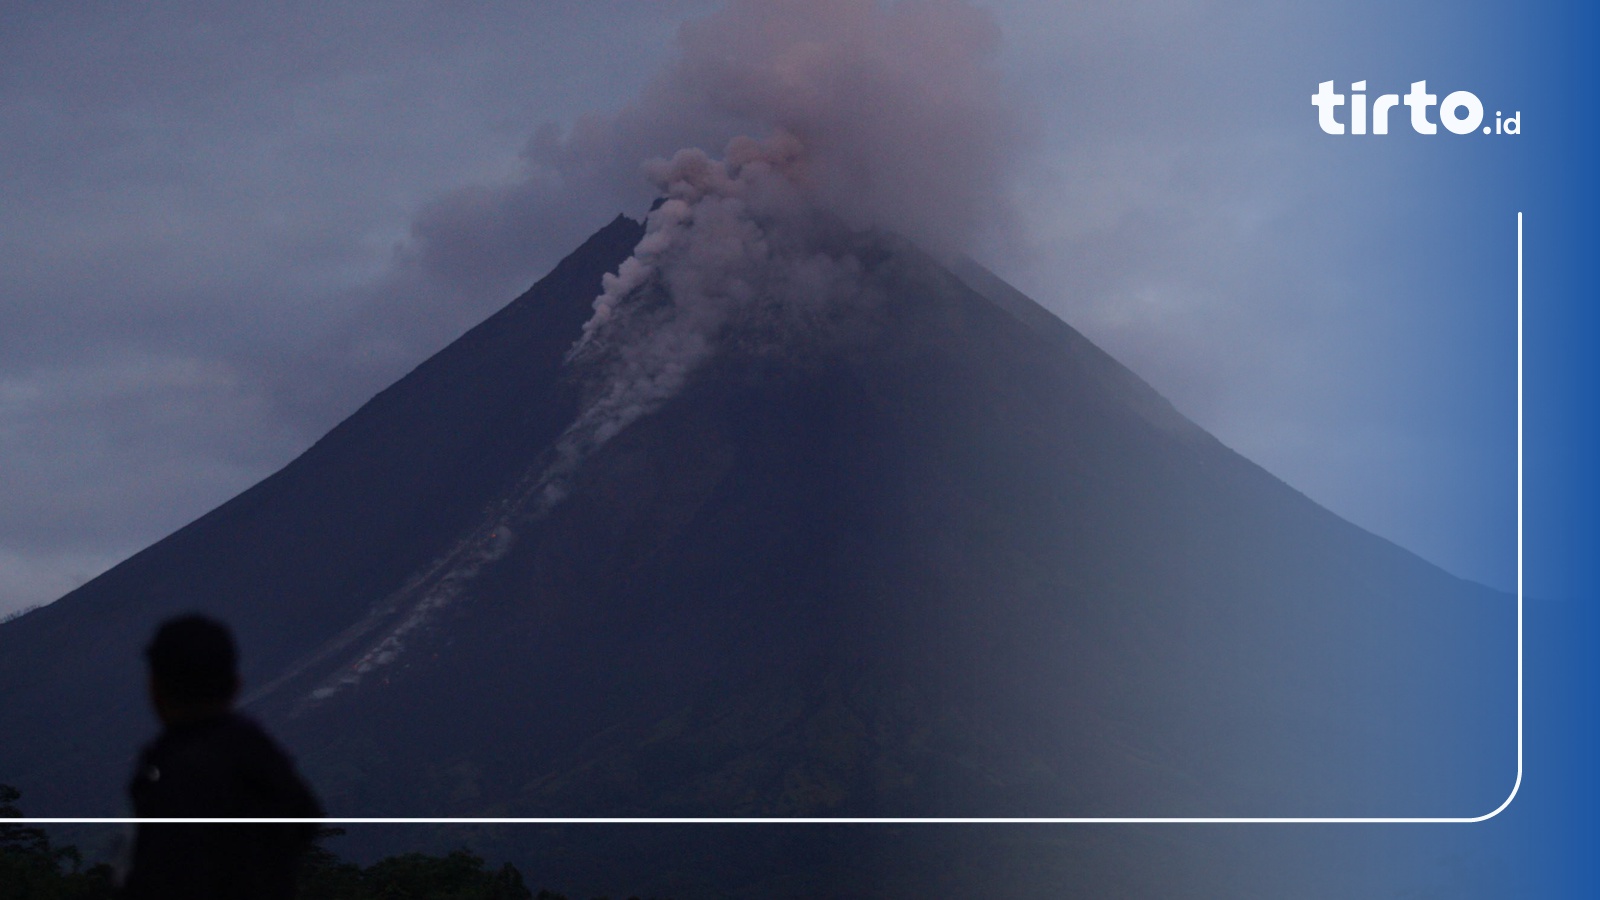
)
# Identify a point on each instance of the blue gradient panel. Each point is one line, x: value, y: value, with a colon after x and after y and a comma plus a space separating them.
x: 1549, y: 836
x: 1461, y: 217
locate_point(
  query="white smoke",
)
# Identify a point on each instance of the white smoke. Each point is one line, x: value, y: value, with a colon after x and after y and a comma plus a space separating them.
x: 874, y: 114
x: 730, y: 252
x: 900, y: 108
x: 864, y: 114
x: 903, y: 114
x: 898, y: 105
x: 879, y: 115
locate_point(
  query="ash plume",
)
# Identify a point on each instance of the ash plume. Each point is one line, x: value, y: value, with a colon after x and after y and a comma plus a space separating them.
x: 735, y: 253
x: 899, y: 107
x: 834, y: 116
x: 875, y: 115
x: 732, y: 250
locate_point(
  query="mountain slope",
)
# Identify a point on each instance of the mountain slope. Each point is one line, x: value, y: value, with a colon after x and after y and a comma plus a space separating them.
x: 953, y: 560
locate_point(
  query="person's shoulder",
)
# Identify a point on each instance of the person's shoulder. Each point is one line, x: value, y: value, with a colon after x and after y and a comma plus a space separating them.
x: 262, y: 762
x: 239, y: 726
x: 245, y: 739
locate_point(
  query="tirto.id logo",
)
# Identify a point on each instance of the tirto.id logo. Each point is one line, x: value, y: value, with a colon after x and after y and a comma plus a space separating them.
x: 1460, y: 113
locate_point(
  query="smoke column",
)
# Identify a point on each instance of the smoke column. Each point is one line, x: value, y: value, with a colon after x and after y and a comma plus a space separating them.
x: 730, y: 246
x: 834, y: 115
x: 880, y: 115
x: 899, y: 108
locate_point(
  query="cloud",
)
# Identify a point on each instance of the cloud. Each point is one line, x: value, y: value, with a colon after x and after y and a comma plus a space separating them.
x: 899, y: 107
x: 884, y: 115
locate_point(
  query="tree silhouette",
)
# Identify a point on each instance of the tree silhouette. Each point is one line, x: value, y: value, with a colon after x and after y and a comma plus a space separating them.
x: 31, y: 869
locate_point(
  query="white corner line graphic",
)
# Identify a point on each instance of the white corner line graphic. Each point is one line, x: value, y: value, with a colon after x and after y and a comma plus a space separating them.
x: 957, y: 820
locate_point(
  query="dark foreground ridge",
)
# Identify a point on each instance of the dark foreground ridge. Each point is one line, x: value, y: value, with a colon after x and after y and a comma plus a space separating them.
x: 963, y: 564
x: 34, y: 868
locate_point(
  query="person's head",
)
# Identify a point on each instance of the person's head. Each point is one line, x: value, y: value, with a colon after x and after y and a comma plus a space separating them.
x: 193, y: 668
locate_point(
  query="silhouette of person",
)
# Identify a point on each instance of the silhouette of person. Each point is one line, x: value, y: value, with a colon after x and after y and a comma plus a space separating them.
x: 210, y: 762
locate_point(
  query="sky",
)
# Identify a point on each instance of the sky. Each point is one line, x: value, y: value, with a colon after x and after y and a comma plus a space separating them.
x: 224, y: 227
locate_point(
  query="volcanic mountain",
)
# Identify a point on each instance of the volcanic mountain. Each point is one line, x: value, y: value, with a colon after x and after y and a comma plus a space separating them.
x: 949, y: 559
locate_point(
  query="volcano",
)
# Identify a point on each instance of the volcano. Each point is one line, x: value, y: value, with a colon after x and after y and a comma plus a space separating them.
x: 953, y: 560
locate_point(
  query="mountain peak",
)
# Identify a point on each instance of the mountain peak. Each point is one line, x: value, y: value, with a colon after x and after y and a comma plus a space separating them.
x: 887, y: 539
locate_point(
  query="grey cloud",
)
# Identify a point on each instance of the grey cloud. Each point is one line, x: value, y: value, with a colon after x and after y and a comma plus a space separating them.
x: 898, y: 108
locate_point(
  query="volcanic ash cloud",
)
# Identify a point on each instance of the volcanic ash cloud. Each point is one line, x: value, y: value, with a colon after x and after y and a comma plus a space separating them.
x: 735, y: 250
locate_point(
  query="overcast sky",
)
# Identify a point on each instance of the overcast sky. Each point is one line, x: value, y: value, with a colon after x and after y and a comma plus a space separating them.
x: 224, y: 226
